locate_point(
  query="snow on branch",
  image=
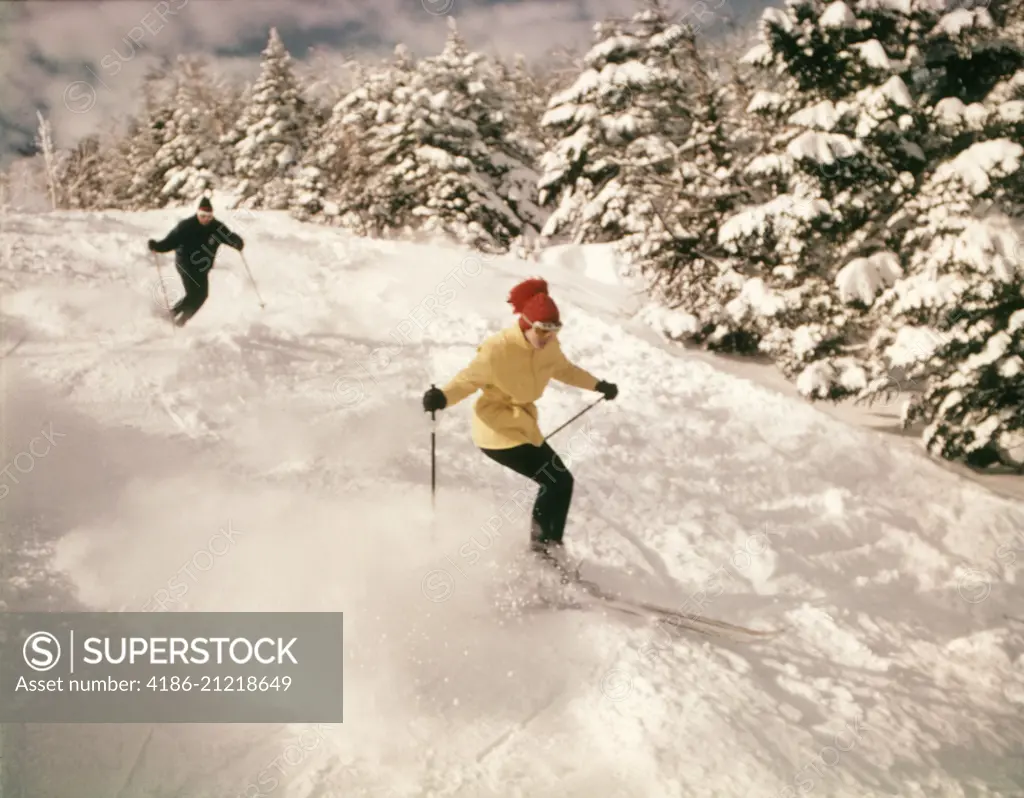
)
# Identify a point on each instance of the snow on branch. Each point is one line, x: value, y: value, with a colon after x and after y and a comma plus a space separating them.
x: 824, y: 115
x: 823, y: 148
x: 873, y: 54
x: 991, y: 246
x: 784, y: 213
x: 963, y: 19
x: 976, y: 166
x: 777, y: 18
x: 758, y: 55
x: 862, y: 278
x: 838, y: 15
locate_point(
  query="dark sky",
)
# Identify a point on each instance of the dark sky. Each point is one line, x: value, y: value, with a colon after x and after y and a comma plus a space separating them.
x: 81, y: 61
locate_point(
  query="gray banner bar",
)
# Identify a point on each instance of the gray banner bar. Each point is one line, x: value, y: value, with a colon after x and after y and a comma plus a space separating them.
x: 174, y: 667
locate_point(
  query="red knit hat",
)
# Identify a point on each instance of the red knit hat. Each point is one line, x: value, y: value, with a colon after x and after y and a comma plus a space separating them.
x: 531, y: 301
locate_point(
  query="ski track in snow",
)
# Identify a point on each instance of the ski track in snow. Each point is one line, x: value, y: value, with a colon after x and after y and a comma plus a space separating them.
x: 298, y: 429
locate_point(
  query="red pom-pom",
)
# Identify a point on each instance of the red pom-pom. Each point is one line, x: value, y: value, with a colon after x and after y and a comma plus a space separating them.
x: 522, y: 293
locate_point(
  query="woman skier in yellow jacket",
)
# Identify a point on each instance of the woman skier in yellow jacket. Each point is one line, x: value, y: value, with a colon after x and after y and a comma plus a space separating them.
x: 512, y: 368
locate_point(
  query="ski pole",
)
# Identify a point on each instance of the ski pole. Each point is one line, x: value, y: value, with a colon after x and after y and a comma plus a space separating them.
x: 433, y: 457
x: 163, y: 288
x: 567, y: 423
x: 242, y: 255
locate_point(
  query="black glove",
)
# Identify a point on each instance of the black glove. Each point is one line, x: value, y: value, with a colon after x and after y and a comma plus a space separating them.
x: 609, y: 389
x: 151, y: 244
x: 434, y: 399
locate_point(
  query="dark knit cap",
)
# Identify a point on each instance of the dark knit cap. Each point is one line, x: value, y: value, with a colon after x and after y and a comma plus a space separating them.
x: 204, y: 204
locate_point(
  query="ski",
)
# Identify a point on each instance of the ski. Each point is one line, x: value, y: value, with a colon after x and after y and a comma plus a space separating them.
x: 594, y: 597
x: 602, y: 604
x: 652, y: 613
x: 681, y: 620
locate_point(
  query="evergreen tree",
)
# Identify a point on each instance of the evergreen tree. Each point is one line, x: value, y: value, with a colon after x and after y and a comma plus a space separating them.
x: 674, y: 246
x: 327, y: 77
x: 953, y: 322
x: 82, y: 177
x: 471, y: 151
x: 25, y: 188
x: 617, y: 128
x: 521, y: 91
x: 134, y: 180
x: 552, y: 74
x: 173, y: 152
x: 192, y: 157
x: 273, y: 133
x: 523, y: 86
x: 435, y: 150
x: 336, y: 182
x: 847, y: 149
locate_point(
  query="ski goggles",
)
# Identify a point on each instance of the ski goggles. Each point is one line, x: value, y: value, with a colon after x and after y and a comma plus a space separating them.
x: 547, y: 326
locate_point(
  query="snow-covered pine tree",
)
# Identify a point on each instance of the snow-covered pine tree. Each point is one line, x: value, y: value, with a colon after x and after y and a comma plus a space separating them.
x: 953, y: 325
x: 82, y: 175
x: 25, y: 186
x: 617, y: 127
x: 816, y: 252
x: 132, y: 179
x: 196, y: 159
x: 327, y: 76
x: 520, y: 87
x: 485, y: 196
x: 522, y: 84
x: 273, y: 133
x: 552, y: 73
x: 333, y: 183
x: 672, y: 241
x: 440, y: 155
x: 957, y: 328
x: 173, y: 153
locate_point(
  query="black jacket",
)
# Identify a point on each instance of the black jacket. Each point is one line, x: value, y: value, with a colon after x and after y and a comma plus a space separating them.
x: 195, y: 245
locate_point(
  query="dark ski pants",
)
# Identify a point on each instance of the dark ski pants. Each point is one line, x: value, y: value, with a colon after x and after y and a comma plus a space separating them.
x: 197, y: 289
x: 542, y: 465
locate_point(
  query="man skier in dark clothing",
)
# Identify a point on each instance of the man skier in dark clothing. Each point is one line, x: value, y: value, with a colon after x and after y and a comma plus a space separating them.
x: 195, y: 241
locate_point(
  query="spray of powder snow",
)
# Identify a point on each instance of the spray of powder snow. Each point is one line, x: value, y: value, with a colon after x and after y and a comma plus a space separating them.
x: 420, y: 586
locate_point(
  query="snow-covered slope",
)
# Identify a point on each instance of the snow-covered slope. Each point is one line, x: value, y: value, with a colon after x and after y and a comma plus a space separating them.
x: 291, y: 442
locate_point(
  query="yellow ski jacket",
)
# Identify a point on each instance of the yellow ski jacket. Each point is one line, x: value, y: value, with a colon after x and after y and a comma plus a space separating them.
x: 512, y: 375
